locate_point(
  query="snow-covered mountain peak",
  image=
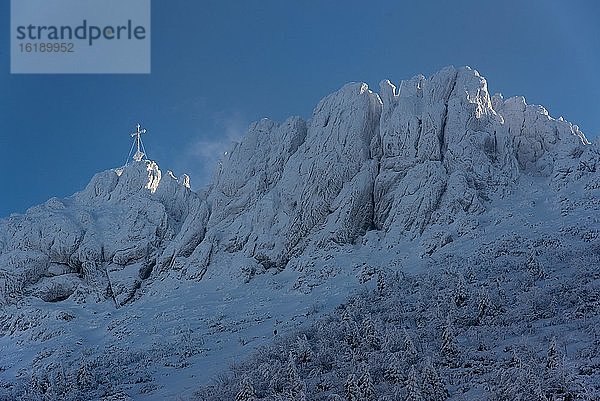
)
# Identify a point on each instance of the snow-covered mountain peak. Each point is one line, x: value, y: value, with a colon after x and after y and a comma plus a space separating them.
x: 428, y: 173
x: 103, y: 240
x: 424, y: 152
x: 421, y: 159
x: 116, y: 185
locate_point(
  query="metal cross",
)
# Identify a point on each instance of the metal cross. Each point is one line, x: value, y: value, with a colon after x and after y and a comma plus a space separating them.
x: 137, y: 134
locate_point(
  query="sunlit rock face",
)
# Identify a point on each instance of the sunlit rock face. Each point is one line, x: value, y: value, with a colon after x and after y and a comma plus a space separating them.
x: 101, y: 242
x: 284, y: 181
x: 424, y: 152
x: 420, y: 160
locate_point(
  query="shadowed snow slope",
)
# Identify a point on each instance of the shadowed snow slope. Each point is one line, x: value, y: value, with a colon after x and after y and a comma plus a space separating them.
x: 139, y: 286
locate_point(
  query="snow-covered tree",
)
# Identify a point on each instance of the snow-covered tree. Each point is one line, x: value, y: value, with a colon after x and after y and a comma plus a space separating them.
x: 246, y: 392
x: 85, y: 378
x: 552, y: 357
x: 370, y: 333
x: 484, y: 305
x: 410, y: 354
x: 382, y: 285
x: 393, y: 371
x: 366, y: 388
x: 278, y: 378
x: 351, y: 334
x: 345, y: 315
x: 296, y: 390
x: 534, y: 267
x: 460, y: 291
x: 449, y: 348
x: 432, y: 387
x: 518, y: 384
x: 351, y: 388
x: 303, y: 350
x: 413, y: 386
x: 393, y: 340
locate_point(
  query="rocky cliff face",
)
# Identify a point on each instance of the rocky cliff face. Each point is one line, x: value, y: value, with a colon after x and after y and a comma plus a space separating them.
x: 418, y: 160
x: 101, y: 242
x: 305, y: 211
x: 430, y: 152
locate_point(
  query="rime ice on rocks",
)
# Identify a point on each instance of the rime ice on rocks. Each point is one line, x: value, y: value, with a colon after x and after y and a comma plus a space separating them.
x: 429, y: 173
x: 104, y: 239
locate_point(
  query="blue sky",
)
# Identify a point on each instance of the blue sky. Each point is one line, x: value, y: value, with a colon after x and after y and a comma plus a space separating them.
x: 217, y: 65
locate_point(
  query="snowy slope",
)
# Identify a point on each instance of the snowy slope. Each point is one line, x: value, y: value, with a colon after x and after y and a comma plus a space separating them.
x: 138, y: 286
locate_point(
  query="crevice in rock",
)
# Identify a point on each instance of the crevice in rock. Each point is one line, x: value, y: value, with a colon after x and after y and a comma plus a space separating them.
x: 442, y: 135
x: 147, y: 268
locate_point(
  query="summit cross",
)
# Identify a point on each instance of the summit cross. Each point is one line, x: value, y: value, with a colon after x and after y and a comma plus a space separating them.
x: 137, y: 134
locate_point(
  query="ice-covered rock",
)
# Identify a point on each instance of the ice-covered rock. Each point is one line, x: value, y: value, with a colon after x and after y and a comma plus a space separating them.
x: 108, y: 236
x: 442, y: 143
x: 424, y: 170
x: 283, y: 181
x: 427, y: 152
x: 539, y: 141
x: 430, y: 151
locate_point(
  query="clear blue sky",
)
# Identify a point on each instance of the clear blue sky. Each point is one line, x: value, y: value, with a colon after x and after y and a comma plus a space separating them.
x: 217, y: 65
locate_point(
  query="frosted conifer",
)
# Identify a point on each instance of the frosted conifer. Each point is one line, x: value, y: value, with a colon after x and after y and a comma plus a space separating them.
x: 432, y: 387
x: 413, y: 386
x: 366, y: 387
x: 351, y: 388
x: 246, y: 392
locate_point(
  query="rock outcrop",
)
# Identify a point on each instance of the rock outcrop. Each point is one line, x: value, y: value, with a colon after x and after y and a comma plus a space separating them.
x: 101, y: 242
x: 419, y: 160
x: 137, y: 282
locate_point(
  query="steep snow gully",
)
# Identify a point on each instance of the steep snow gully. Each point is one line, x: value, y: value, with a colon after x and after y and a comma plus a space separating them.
x: 400, y: 178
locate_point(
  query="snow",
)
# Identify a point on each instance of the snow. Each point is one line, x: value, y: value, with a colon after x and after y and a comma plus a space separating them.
x: 143, y: 287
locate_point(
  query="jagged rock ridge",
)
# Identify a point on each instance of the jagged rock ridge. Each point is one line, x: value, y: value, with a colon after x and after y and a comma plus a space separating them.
x: 101, y: 242
x: 428, y: 152
x: 141, y: 281
x: 431, y: 151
